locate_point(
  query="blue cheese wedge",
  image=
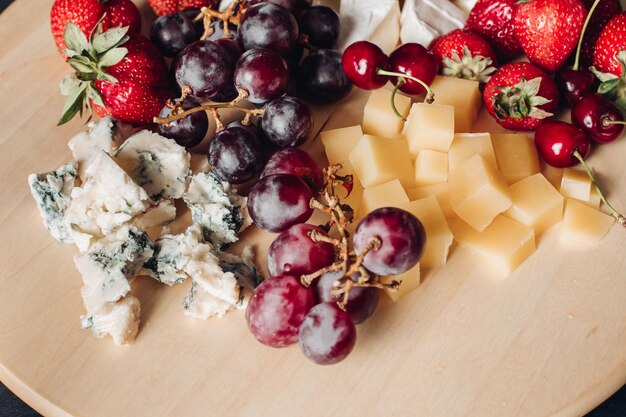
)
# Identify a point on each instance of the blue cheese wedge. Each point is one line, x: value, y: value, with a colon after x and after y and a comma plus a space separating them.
x: 109, y: 265
x: 220, y: 212
x: 158, y: 164
x: 202, y: 305
x: 107, y: 199
x: 120, y: 320
x: 86, y: 145
x: 171, y: 254
x: 242, y: 267
x: 162, y: 213
x: 51, y: 191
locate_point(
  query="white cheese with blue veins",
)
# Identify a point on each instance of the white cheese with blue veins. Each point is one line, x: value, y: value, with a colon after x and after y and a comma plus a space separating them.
x: 120, y: 320
x: 158, y: 164
x: 51, y: 191
x: 86, y: 145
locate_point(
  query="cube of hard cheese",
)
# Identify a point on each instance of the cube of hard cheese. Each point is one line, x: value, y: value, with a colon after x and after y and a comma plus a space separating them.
x: 535, y: 203
x: 505, y: 243
x: 466, y: 145
x: 478, y: 192
x: 438, y: 234
x: 461, y: 94
x: 379, y: 118
x: 516, y: 155
x: 441, y: 193
x: 410, y: 280
x: 576, y: 184
x: 594, y: 198
x: 582, y: 221
x: 552, y: 174
x: 356, y: 195
x: 429, y: 126
x: 378, y: 160
x: 339, y: 142
x: 384, y: 195
x: 431, y: 167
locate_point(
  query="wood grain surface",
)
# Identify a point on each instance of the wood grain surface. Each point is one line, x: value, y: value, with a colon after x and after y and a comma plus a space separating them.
x: 546, y: 341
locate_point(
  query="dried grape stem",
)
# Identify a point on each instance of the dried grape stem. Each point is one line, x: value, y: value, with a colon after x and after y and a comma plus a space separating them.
x: 232, y: 14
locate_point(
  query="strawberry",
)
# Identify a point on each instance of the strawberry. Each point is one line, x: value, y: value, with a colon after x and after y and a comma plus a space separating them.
x: 87, y: 13
x: 465, y: 54
x: 117, y: 73
x: 493, y: 20
x: 548, y: 30
x: 602, y: 14
x: 520, y: 96
x: 163, y: 7
x: 609, y: 61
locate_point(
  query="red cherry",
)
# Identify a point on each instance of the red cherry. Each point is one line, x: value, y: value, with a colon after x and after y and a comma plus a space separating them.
x: 413, y: 60
x: 598, y: 117
x: 557, y: 141
x: 362, y: 61
x: 574, y: 84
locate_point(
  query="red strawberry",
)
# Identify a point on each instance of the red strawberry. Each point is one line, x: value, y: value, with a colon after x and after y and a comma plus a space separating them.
x: 520, y: 96
x: 116, y: 73
x: 86, y: 14
x: 609, y: 60
x: 493, y: 20
x: 465, y: 54
x: 163, y: 7
x: 602, y: 14
x: 548, y: 30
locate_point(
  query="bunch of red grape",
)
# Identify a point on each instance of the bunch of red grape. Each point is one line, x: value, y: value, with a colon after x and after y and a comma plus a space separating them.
x: 318, y: 289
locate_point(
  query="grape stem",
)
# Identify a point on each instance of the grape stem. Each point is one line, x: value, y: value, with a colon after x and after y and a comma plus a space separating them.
x: 232, y: 14
x: 618, y: 216
x: 430, y: 95
x: 582, y: 35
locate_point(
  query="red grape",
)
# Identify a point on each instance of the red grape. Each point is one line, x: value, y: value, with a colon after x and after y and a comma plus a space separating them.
x: 172, y: 33
x: 263, y: 74
x: 205, y: 67
x: 188, y: 131
x: 287, y: 121
x: 295, y: 162
x: 236, y: 155
x: 362, y: 301
x: 269, y: 26
x: 322, y: 79
x: 321, y: 25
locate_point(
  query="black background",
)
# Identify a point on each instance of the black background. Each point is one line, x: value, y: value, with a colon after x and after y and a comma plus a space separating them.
x: 11, y: 406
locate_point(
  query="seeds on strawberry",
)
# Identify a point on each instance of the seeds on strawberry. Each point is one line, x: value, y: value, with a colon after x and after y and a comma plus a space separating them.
x: 493, y: 20
x: 611, y: 41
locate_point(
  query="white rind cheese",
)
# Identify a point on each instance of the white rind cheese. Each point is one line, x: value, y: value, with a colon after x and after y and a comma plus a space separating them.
x: 158, y: 164
x: 119, y: 319
x: 375, y: 20
x: 86, y: 145
x: 51, y: 191
x: 424, y: 20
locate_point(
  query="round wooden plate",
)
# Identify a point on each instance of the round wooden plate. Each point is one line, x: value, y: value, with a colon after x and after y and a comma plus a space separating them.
x: 546, y: 341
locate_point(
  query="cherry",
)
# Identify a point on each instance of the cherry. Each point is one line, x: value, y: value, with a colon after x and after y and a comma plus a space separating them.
x: 598, y: 117
x: 362, y: 61
x: 574, y: 84
x: 557, y: 141
x: 412, y: 59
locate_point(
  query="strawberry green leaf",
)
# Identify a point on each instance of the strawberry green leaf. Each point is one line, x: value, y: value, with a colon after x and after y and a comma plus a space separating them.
x: 521, y: 100
x: 609, y: 85
x: 69, y: 85
x: 81, y: 64
x: 103, y: 42
x: 74, y: 38
x: 112, y: 57
x: 73, y: 105
x: 95, y: 96
x: 467, y: 66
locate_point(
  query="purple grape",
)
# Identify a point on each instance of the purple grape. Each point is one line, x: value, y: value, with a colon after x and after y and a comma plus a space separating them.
x: 266, y: 25
x: 362, y: 301
x: 191, y: 14
x: 172, y: 33
x: 287, y: 121
x: 204, y: 67
x: 295, y: 162
x: 279, y: 201
x: 235, y: 155
x: 321, y: 25
x: 188, y: 131
x: 402, y: 240
x: 327, y: 334
x: 293, y: 252
x: 322, y: 79
x: 269, y: 148
x: 229, y: 92
x: 294, y: 6
x: 276, y: 310
x: 263, y: 74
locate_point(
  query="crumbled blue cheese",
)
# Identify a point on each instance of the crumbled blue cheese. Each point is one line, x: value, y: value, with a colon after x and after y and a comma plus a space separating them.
x: 242, y: 267
x: 202, y: 305
x: 86, y: 145
x: 107, y: 199
x: 119, y: 319
x: 217, y: 209
x: 167, y: 264
x: 51, y: 191
x: 158, y: 164
x: 158, y: 215
x: 109, y: 264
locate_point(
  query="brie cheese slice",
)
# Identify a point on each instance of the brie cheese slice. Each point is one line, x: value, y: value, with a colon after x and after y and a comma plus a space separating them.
x: 424, y: 20
x: 375, y: 20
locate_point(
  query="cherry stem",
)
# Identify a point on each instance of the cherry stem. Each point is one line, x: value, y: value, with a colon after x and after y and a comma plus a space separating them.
x: 606, y: 122
x: 430, y: 96
x: 582, y: 35
x: 618, y: 216
x: 393, y: 99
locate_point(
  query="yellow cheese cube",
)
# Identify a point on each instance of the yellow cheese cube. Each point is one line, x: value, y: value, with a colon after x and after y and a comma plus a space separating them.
x: 410, y: 280
x: 378, y: 160
x: 389, y: 194
x: 552, y: 174
x: 429, y: 126
x: 431, y: 167
x: 584, y: 222
x: 438, y: 235
x: 461, y: 94
x: 576, y: 184
x: 516, y: 155
x: 441, y: 193
x: 505, y: 242
x: 594, y: 198
x: 466, y: 145
x: 356, y: 195
x: 478, y: 192
x: 339, y: 142
x: 535, y: 203
x: 379, y: 118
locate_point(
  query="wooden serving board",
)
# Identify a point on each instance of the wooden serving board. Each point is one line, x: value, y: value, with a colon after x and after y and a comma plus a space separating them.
x: 546, y: 341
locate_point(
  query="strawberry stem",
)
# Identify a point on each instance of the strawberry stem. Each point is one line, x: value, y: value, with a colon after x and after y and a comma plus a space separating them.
x: 430, y: 96
x: 618, y: 216
x: 582, y: 35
